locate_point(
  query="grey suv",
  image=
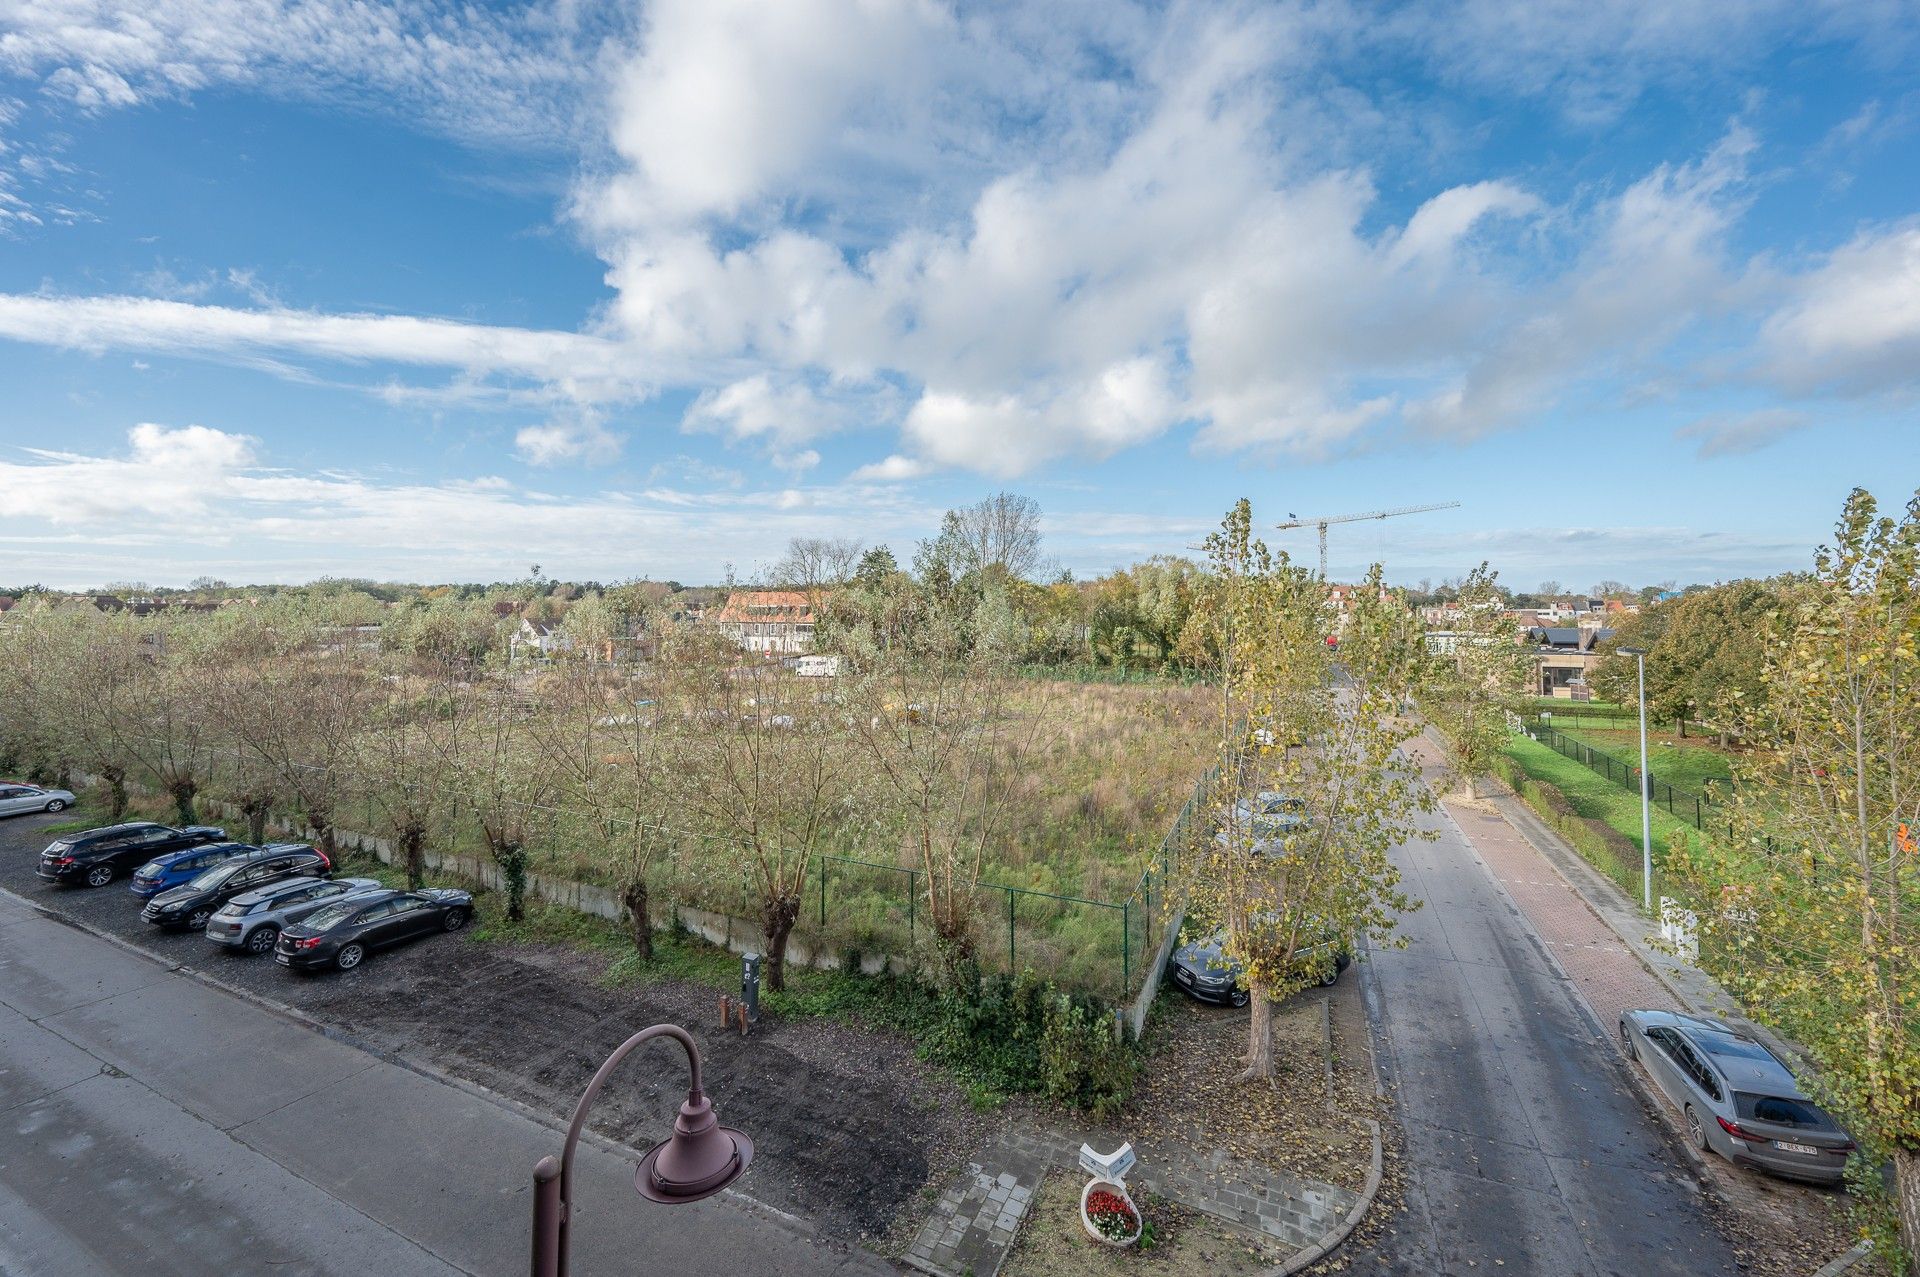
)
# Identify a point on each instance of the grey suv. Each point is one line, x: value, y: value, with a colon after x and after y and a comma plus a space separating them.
x: 253, y: 920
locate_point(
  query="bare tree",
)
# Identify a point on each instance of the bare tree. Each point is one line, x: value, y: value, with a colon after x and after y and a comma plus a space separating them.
x: 404, y: 763
x: 943, y: 736
x: 765, y: 769
x: 999, y: 534
x: 611, y: 767
x: 506, y: 777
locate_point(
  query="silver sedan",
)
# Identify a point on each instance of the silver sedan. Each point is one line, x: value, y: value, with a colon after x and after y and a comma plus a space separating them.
x: 18, y: 800
x: 1735, y: 1096
x: 252, y: 920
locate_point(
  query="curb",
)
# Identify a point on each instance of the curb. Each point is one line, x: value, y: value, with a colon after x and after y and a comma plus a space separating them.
x: 1848, y: 1259
x: 428, y: 1071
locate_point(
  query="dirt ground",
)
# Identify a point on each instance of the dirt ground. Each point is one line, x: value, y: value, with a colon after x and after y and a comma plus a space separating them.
x: 1312, y: 1119
x: 848, y: 1127
x: 1182, y: 1243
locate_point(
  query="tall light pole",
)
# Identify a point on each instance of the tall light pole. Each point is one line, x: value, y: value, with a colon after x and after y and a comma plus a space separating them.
x: 1639, y: 655
x: 699, y: 1159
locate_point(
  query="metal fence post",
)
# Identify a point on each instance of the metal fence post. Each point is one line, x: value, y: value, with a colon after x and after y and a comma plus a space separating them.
x: 1126, y: 935
x: 913, y: 899
x: 1013, y: 963
x: 823, y: 893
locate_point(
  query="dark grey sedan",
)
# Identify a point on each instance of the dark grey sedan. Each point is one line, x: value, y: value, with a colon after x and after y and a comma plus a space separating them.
x: 1201, y: 969
x: 1736, y: 1097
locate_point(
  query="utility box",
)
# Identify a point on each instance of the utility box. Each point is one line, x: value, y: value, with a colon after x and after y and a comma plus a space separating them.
x: 750, y: 985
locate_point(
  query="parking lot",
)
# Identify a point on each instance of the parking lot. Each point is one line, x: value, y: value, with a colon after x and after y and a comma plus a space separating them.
x: 824, y: 1102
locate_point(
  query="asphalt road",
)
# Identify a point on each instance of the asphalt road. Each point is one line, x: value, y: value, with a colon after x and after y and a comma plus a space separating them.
x: 153, y: 1124
x: 1526, y: 1151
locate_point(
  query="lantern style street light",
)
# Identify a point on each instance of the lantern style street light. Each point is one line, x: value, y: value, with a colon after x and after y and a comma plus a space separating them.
x: 1639, y: 654
x: 699, y: 1159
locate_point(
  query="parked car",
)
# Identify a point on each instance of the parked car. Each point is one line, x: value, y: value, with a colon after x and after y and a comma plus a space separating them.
x: 190, y: 906
x: 97, y: 856
x: 1736, y: 1097
x: 1201, y: 968
x: 1267, y: 817
x: 253, y: 920
x: 341, y: 935
x: 177, y: 868
x: 18, y: 800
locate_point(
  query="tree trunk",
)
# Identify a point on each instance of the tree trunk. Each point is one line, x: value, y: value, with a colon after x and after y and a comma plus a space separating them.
x: 183, y: 792
x: 638, y: 917
x: 413, y: 852
x: 1473, y: 785
x: 117, y: 787
x: 776, y: 921
x: 1906, y: 1196
x: 256, y: 814
x: 1260, y: 1035
x: 513, y: 866
x: 1683, y: 727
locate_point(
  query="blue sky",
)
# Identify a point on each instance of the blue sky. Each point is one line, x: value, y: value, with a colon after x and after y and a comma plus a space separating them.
x: 435, y: 292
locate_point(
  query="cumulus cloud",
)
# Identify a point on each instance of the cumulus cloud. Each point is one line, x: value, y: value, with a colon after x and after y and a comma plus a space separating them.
x: 1852, y: 323
x: 581, y: 438
x: 166, y: 472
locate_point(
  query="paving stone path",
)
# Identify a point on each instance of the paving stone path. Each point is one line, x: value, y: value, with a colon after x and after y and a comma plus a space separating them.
x: 972, y: 1225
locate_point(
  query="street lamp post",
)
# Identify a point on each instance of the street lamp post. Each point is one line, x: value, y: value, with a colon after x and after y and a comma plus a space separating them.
x: 1639, y: 655
x: 699, y: 1159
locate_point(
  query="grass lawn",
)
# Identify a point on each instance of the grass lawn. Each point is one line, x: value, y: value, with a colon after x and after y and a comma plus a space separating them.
x: 1690, y: 765
x: 1592, y: 794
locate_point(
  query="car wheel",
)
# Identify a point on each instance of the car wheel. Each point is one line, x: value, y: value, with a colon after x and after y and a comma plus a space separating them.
x: 349, y: 957
x: 262, y: 939
x: 198, y: 919
x: 1330, y: 977
x: 99, y: 875
x: 1696, y: 1130
x: 1626, y: 1041
x: 1240, y: 997
x: 56, y: 804
x: 455, y: 919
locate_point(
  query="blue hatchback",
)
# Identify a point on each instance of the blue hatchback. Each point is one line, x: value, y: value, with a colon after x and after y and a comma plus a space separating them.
x: 176, y: 868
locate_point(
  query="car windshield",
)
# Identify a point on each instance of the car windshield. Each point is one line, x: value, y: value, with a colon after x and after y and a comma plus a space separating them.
x: 328, y: 916
x: 1782, y: 1111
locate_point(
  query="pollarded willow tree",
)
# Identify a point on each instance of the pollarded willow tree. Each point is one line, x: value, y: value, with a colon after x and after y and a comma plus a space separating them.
x: 404, y: 763
x: 612, y: 772
x: 1313, y: 795
x: 1482, y: 689
x: 98, y: 669
x: 764, y: 767
x: 942, y: 721
x: 1819, y: 936
x: 506, y: 781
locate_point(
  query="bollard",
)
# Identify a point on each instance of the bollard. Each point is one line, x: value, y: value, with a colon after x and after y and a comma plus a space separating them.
x: 750, y: 987
x: 726, y: 1010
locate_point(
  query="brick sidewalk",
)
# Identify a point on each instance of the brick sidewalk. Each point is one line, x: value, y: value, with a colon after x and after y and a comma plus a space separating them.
x: 1606, y: 972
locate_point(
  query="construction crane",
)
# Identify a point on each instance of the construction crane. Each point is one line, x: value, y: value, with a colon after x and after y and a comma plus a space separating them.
x: 1322, y: 521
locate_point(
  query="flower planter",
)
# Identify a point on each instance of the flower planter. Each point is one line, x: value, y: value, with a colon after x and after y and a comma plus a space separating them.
x: 1114, y: 1191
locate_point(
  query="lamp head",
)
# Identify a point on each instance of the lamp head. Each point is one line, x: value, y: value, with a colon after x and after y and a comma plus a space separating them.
x: 699, y: 1159
x: 1631, y: 651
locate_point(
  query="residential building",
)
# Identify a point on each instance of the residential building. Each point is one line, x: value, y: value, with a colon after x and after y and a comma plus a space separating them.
x: 531, y: 637
x: 768, y: 621
x: 1562, y: 655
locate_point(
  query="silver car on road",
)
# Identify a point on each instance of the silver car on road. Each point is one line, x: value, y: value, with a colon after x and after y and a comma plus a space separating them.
x: 18, y: 800
x: 252, y: 921
x: 1735, y: 1096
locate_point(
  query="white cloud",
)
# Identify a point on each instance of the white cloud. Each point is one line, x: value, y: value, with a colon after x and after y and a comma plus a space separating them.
x: 893, y: 469
x: 464, y: 68
x: 1852, y: 323
x: 589, y: 368
x: 581, y: 437
x: 1724, y: 434
x: 172, y: 473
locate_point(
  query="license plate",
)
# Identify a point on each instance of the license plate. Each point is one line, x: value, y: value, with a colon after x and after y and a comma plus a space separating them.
x: 1180, y: 974
x: 283, y: 959
x: 1788, y: 1146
